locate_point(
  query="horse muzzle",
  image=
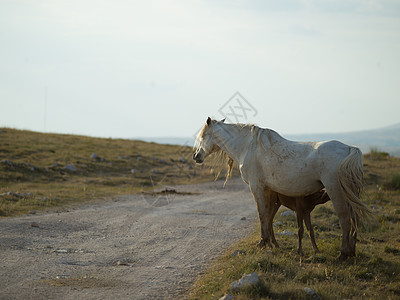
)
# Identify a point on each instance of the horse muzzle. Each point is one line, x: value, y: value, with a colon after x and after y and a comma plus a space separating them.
x: 198, y: 157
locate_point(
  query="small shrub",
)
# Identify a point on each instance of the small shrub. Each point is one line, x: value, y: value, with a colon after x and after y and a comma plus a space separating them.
x: 365, y: 276
x: 255, y: 291
x: 394, y: 182
x: 375, y: 261
x: 394, y: 251
x: 385, y: 218
x: 311, y: 276
x: 376, y: 151
x: 376, y: 154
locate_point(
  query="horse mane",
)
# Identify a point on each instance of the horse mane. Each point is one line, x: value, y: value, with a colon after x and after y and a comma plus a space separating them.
x: 223, y: 159
x: 199, y: 135
x: 257, y: 132
x: 249, y: 126
x: 220, y: 160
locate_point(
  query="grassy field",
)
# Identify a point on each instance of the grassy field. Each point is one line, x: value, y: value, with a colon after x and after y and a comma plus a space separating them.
x: 47, y: 171
x: 51, y: 171
x: 373, y: 274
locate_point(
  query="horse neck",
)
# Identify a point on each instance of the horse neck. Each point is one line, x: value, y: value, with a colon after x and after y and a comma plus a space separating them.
x: 233, y: 140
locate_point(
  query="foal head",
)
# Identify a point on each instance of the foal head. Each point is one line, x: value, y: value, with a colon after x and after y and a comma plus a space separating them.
x: 205, y: 142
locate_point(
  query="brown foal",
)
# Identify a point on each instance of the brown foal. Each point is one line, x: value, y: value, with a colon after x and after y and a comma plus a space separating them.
x: 302, y: 206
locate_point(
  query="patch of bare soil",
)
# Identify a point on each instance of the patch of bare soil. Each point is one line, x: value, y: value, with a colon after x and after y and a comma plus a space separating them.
x: 146, y: 246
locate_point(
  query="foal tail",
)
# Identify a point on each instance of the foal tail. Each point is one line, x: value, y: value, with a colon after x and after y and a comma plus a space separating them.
x: 351, y: 181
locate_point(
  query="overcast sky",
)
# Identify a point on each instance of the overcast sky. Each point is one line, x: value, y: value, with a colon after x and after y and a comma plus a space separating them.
x: 159, y: 68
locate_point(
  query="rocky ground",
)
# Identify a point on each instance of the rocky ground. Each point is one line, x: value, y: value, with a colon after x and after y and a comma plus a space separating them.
x: 144, y: 246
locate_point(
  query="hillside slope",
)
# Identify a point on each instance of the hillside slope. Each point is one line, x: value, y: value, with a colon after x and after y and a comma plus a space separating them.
x: 40, y: 170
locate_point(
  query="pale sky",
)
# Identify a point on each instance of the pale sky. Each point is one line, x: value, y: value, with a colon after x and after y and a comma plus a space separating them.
x: 160, y: 68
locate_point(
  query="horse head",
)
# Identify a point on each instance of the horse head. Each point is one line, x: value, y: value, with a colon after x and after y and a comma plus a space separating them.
x: 205, y: 141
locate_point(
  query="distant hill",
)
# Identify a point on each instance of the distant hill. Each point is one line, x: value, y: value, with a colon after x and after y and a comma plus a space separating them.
x: 385, y: 139
x: 169, y: 140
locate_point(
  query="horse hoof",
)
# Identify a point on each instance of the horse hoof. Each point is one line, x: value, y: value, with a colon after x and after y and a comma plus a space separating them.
x: 345, y: 256
x: 262, y: 244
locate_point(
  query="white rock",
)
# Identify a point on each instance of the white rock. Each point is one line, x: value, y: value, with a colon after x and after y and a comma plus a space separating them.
x: 288, y: 213
x: 286, y: 233
x: 247, y: 280
x: 227, y: 297
x: 61, y: 251
x: 310, y: 292
x: 71, y: 168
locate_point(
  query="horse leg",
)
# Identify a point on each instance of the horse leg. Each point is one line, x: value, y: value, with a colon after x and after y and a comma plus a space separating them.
x: 299, y: 217
x: 343, y: 210
x: 307, y: 220
x: 272, y: 204
x: 259, y: 196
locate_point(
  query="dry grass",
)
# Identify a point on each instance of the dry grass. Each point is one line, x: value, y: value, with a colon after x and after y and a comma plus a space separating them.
x: 373, y: 274
x: 34, y: 174
x: 83, y: 282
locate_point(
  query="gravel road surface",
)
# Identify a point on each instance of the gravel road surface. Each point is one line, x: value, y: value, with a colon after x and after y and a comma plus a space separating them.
x: 146, y: 246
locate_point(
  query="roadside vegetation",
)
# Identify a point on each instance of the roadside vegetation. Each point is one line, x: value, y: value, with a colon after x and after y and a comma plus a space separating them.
x: 373, y: 274
x: 52, y: 171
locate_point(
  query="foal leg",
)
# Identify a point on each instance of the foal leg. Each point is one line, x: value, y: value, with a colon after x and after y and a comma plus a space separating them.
x: 259, y: 196
x: 307, y: 220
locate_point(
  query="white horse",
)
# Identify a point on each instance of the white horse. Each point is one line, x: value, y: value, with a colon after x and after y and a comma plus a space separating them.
x: 268, y: 162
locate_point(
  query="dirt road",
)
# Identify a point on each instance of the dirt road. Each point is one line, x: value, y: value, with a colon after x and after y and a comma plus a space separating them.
x: 150, y: 246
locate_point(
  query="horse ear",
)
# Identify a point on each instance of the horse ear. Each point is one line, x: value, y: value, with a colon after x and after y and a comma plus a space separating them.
x: 223, y: 120
x: 208, y: 121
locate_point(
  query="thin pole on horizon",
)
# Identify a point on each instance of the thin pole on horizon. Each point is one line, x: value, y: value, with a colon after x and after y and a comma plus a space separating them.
x: 45, y: 109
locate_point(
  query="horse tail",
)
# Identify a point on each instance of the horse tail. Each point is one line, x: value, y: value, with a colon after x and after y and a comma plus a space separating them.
x: 351, y: 182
